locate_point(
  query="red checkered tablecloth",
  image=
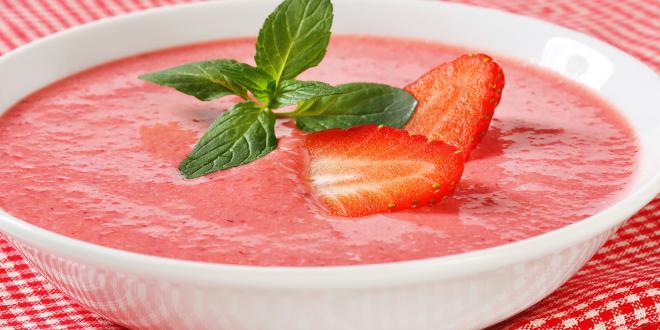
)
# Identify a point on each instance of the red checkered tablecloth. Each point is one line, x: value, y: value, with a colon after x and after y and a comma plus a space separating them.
x: 618, y: 289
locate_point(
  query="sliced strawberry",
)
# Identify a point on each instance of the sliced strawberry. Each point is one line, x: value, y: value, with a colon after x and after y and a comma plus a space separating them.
x: 456, y: 101
x: 369, y: 169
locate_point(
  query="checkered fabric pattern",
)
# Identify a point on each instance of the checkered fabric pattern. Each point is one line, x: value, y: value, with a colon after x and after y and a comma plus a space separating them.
x: 618, y: 289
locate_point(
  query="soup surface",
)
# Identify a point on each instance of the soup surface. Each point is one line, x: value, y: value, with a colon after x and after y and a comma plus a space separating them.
x: 95, y: 157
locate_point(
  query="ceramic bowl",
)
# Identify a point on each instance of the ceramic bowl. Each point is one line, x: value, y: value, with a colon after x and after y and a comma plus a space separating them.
x: 464, y: 291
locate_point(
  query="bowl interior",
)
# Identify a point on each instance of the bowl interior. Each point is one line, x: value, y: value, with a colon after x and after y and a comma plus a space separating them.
x: 628, y: 85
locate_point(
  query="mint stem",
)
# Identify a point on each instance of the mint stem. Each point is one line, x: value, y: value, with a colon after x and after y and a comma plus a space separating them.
x: 254, y: 99
x: 284, y: 114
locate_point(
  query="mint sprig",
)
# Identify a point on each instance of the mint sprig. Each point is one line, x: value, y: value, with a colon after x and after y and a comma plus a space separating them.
x: 293, y: 39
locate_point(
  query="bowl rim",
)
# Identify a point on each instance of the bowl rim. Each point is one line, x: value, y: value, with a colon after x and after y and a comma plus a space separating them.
x: 367, y: 275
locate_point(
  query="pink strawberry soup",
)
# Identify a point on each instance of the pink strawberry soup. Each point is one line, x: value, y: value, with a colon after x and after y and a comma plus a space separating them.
x: 95, y: 156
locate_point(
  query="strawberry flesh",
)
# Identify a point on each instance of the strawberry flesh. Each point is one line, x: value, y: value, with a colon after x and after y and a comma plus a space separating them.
x: 369, y: 169
x: 457, y: 101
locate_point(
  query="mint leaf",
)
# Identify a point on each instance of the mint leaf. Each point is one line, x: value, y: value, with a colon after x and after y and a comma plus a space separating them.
x: 356, y: 104
x: 209, y: 80
x: 294, y: 91
x: 294, y: 38
x: 239, y: 136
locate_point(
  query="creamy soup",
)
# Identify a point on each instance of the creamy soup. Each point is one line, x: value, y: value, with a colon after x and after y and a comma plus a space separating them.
x: 95, y: 156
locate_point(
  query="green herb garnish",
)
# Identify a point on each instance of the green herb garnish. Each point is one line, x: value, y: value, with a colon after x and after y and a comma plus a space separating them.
x: 356, y: 104
x: 293, y: 39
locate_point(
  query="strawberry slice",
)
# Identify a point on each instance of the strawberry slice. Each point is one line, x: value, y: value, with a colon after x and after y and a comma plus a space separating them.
x: 370, y: 169
x: 457, y: 101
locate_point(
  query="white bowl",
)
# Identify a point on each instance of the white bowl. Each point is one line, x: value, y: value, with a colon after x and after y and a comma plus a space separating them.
x: 465, y: 291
